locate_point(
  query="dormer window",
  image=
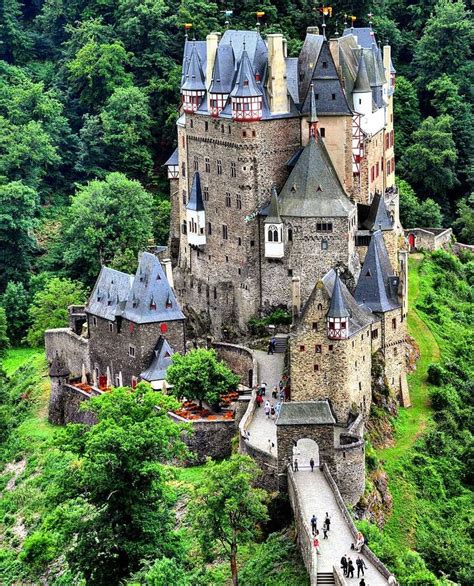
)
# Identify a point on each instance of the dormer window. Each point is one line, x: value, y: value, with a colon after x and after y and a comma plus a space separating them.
x: 246, y: 83
x: 152, y: 304
x: 135, y: 303
x: 169, y: 303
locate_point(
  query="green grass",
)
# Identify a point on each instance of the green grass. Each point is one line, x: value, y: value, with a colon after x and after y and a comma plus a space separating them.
x: 17, y: 357
x: 411, y: 421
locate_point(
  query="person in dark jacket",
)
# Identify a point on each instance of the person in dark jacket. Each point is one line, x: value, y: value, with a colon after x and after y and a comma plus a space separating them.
x: 360, y: 566
x: 350, y: 569
x: 344, y: 564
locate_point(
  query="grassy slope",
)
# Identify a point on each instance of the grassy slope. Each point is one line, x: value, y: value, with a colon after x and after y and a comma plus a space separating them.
x: 411, y: 421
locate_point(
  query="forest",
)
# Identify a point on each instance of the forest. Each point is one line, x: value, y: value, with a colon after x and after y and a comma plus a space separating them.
x: 89, y: 97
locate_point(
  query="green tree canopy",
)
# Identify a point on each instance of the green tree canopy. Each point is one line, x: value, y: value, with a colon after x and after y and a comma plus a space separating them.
x: 49, y: 307
x: 16, y: 301
x: 226, y: 509
x: 106, y: 219
x: 200, y: 375
x: 4, y: 339
x: 464, y: 223
x: 406, y: 112
x: 415, y: 213
x: 429, y: 163
x: 117, y: 475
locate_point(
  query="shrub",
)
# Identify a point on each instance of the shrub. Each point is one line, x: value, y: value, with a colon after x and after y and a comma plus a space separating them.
x: 38, y: 549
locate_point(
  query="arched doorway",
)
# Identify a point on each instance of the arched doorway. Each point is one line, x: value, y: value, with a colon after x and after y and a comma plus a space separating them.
x: 304, y: 450
x: 411, y: 241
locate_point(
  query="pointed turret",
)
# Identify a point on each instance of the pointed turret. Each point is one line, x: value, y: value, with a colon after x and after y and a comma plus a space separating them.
x: 194, y: 87
x: 362, y: 93
x: 222, y: 77
x: 361, y: 83
x: 377, y: 287
x: 379, y: 217
x: 313, y: 115
x: 274, y: 247
x: 338, y: 315
x: 195, y: 214
x: 247, y: 96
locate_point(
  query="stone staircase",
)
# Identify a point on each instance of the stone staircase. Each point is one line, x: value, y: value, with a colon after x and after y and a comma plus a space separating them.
x: 281, y: 343
x: 325, y: 578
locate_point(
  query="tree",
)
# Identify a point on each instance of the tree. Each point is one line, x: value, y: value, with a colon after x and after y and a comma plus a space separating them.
x: 447, y: 41
x: 15, y: 302
x: 49, y: 307
x: 199, y: 375
x: 18, y: 204
x: 464, y: 223
x: 13, y: 40
x: 117, y: 474
x: 429, y: 163
x: 4, y: 339
x: 416, y: 214
x: 127, y: 122
x: 226, y: 508
x: 162, y: 220
x: 406, y: 113
x: 106, y: 218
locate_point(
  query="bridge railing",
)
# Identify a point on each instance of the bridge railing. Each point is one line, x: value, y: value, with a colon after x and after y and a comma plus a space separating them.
x: 305, y: 537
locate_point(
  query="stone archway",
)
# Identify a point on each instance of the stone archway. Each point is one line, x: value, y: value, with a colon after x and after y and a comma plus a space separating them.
x: 304, y: 450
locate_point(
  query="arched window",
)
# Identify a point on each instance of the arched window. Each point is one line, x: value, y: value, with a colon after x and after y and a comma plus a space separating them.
x: 270, y: 235
x: 320, y: 306
x: 275, y: 235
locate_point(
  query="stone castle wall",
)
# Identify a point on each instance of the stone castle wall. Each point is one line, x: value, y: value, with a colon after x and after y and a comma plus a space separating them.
x: 240, y: 360
x: 73, y: 349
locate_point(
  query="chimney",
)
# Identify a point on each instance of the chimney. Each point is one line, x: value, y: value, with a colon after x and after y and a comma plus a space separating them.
x: 168, y: 271
x: 312, y: 30
x: 296, y: 297
x: 212, y: 41
x: 277, y: 85
x: 334, y: 49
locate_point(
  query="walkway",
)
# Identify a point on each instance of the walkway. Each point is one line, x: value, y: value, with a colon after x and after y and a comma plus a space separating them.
x: 318, y: 499
x: 270, y: 370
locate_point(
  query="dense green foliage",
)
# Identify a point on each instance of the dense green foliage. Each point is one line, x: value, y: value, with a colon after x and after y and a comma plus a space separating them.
x: 436, y: 472
x: 200, y: 375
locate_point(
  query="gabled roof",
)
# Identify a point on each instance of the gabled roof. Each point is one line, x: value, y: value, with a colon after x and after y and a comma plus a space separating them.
x: 249, y: 41
x: 338, y: 306
x: 365, y: 35
x: 361, y: 83
x: 245, y: 84
x: 306, y: 413
x: 159, y: 363
x: 377, y: 287
x: 273, y: 216
x: 378, y: 218
x: 151, y: 298
x: 307, y: 60
x: 195, y: 202
x: 313, y: 188
x: 109, y: 294
x: 194, y: 78
x: 224, y: 70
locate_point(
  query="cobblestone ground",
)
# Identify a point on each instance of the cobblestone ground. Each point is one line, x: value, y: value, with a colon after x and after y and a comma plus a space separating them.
x: 318, y: 499
x: 270, y: 369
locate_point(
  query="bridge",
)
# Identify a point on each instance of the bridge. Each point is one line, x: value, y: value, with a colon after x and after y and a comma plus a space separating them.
x: 310, y: 492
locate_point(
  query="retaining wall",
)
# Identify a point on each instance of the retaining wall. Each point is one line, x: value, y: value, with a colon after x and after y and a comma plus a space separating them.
x: 304, y: 537
x: 240, y: 360
x: 73, y: 349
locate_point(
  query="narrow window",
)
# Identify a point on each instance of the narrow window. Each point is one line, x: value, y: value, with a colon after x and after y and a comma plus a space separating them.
x: 238, y: 201
x: 131, y: 351
x: 191, y: 123
x: 239, y: 241
x: 302, y: 348
x: 94, y: 321
x: 244, y: 133
x: 320, y: 306
x: 206, y: 193
x: 394, y: 323
x: 196, y: 163
x: 208, y: 165
x: 224, y: 232
x: 316, y: 368
x: 324, y: 244
x: 290, y: 235
x: 331, y: 347
x: 322, y: 131
x: 318, y: 348
x: 209, y: 228
x: 333, y: 96
x: 227, y: 200
x: 206, y: 126
x: 325, y: 64
x: 185, y: 199
x: 183, y: 169
x: 315, y: 325
x: 290, y: 272
x: 233, y: 172
x: 219, y: 167
x: 111, y: 327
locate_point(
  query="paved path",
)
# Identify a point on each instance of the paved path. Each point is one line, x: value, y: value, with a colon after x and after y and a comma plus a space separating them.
x: 270, y: 369
x: 318, y: 499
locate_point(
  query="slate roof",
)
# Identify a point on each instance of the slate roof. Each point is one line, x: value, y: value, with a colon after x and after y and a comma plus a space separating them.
x: 306, y: 413
x: 109, y: 294
x: 306, y: 62
x: 365, y: 35
x: 252, y: 43
x: 224, y: 70
x: 195, y: 202
x: 377, y: 287
x: 245, y: 84
x: 151, y: 288
x: 361, y: 83
x: 194, y: 78
x: 313, y: 114
x: 173, y: 160
x: 338, y: 306
x: 273, y: 211
x: 379, y: 217
x: 359, y: 316
x: 199, y: 49
x: 292, y: 78
x: 159, y: 363
x: 313, y: 188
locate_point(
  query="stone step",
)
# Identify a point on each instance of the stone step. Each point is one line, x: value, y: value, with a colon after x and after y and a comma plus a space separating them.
x: 281, y: 344
x: 325, y: 578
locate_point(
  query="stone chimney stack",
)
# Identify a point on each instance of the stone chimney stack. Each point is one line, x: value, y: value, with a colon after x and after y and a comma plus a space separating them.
x: 277, y: 84
x: 212, y: 42
x: 296, y: 297
x: 168, y: 271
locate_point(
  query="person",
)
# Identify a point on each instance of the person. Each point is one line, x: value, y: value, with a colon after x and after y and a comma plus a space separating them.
x: 362, y: 582
x: 327, y: 522
x: 278, y: 407
x: 296, y: 465
x: 271, y: 445
x: 275, y: 392
x: 263, y: 387
x: 273, y: 343
x: 281, y: 385
x: 282, y: 395
x: 359, y: 542
x: 350, y: 569
x: 360, y: 566
x: 272, y: 411
x: 270, y: 347
x: 314, y: 524
x: 259, y: 400
x: 325, y: 532
x: 267, y: 409
x: 344, y: 564
x: 311, y: 463
x: 316, y: 543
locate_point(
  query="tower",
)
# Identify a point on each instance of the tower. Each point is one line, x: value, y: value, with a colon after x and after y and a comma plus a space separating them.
x: 247, y: 96
x: 195, y: 214
x: 59, y: 374
x: 274, y: 247
x: 194, y: 88
x: 338, y: 314
x: 362, y: 94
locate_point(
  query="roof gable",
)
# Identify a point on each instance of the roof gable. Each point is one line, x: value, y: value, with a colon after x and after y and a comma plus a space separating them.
x: 159, y: 363
x: 195, y: 202
x: 109, y: 294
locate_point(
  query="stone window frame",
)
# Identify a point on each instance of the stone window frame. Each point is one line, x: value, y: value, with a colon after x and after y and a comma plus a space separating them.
x: 205, y: 193
x: 238, y: 201
x: 324, y: 227
x: 111, y: 327
x: 315, y: 326
x: 322, y: 132
x: 209, y: 228
x: 228, y: 200
x: 225, y: 232
x: 207, y: 165
x: 239, y: 241
x: 318, y: 349
x: 324, y: 245
x: 219, y: 166
x: 316, y: 368
x: 233, y: 169
x: 302, y: 348
x: 132, y: 350
x: 375, y: 334
x: 394, y: 323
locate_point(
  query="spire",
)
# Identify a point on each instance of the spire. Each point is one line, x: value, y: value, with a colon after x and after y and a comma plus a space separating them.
x: 216, y: 77
x: 338, y: 306
x: 361, y: 83
x: 194, y: 78
x: 274, y: 209
x: 245, y: 85
x: 313, y: 115
x: 195, y: 202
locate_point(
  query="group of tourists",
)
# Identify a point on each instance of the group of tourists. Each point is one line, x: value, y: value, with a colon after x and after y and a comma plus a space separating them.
x: 278, y: 393
x: 315, y: 531
x: 348, y: 568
